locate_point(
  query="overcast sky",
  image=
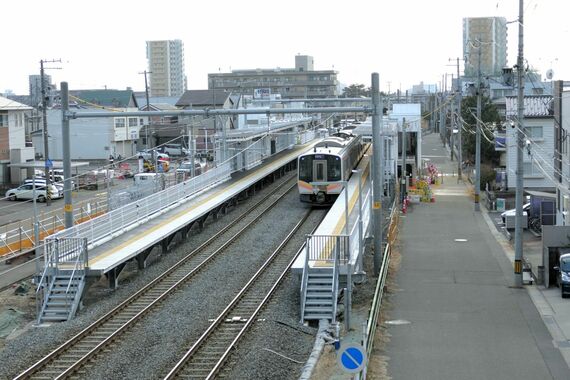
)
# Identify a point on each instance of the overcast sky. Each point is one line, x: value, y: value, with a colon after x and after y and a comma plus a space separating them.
x: 102, y: 43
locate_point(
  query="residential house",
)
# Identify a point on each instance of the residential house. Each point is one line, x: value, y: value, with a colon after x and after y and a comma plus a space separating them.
x: 561, y: 107
x: 94, y: 138
x: 409, y: 117
x: 13, y: 148
x: 204, y: 128
x: 538, y: 149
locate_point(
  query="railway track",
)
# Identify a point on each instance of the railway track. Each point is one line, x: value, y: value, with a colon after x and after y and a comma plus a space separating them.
x: 70, y: 357
x: 206, y: 357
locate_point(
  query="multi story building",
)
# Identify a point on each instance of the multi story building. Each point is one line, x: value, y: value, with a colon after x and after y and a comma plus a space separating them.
x: 12, y: 140
x: 166, y: 67
x: 539, y: 138
x: 487, y: 35
x: 299, y: 82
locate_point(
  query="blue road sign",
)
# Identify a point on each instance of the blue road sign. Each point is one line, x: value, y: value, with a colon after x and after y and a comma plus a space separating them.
x: 49, y: 164
x: 352, y: 358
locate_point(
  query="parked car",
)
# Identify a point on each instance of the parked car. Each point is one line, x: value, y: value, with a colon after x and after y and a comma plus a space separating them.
x: 186, y: 168
x: 58, y: 179
x: 150, y: 155
x: 173, y: 150
x: 26, y: 192
x: 563, y: 277
x: 513, y: 212
x: 57, y: 189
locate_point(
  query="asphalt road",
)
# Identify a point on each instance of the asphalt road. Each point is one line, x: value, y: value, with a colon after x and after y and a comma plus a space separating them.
x: 455, y: 315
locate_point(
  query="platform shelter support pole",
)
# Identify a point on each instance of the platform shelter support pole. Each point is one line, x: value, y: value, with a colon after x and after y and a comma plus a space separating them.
x: 68, y: 207
x: 377, y: 145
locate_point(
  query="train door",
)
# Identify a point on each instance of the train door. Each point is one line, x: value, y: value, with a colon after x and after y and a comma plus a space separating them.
x: 319, y: 171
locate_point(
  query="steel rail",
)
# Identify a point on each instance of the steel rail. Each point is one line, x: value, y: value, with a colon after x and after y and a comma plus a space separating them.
x: 243, y: 302
x: 137, y: 298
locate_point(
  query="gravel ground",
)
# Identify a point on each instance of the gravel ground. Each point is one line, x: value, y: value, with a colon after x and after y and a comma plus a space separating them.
x: 155, y: 344
x: 276, y: 348
x: 36, y: 342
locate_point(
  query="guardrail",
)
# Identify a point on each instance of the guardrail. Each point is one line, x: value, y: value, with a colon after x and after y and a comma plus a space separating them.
x: 18, y: 238
x: 368, y: 339
x: 121, y: 220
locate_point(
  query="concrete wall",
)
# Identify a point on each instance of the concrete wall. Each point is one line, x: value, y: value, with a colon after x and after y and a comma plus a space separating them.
x: 91, y: 139
x: 553, y: 236
x: 18, y: 175
x: 542, y: 153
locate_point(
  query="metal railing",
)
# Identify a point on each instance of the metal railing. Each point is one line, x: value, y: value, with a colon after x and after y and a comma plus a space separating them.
x: 331, y: 249
x: 18, y: 238
x: 123, y: 219
x: 327, y: 248
x: 374, y: 314
x: 61, y: 255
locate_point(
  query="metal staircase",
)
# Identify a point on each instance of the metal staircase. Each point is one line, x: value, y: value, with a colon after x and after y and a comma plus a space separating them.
x: 319, y: 286
x: 61, y: 285
x: 319, y: 300
x: 63, y: 297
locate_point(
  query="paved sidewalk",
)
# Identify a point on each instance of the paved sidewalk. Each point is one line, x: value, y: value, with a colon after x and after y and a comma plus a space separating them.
x: 458, y: 316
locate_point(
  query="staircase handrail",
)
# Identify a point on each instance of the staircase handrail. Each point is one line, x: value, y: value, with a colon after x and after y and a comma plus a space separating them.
x: 305, y: 277
x: 47, y: 264
x: 80, y: 258
x: 334, y: 289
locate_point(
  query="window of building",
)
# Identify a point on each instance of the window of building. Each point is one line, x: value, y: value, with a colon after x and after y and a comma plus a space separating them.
x: 530, y: 169
x: 120, y: 122
x: 3, y: 119
x: 534, y: 133
x: 132, y: 121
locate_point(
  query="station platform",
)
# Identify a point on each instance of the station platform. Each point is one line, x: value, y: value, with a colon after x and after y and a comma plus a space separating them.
x: 334, y: 223
x: 110, y: 257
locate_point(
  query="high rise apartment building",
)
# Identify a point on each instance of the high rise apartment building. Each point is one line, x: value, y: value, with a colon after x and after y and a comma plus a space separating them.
x: 488, y: 35
x: 166, y: 67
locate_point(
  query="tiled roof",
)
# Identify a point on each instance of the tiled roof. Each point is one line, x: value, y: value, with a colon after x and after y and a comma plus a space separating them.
x: 11, y: 105
x: 106, y: 98
x: 202, y: 98
x: 534, y: 106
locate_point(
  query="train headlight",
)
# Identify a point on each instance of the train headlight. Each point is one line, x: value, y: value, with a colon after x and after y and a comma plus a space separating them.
x: 321, y: 197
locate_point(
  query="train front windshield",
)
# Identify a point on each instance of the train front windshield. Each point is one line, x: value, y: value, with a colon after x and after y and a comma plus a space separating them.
x: 313, y: 167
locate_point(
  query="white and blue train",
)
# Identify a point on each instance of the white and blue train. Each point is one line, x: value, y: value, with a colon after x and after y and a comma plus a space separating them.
x: 324, y: 170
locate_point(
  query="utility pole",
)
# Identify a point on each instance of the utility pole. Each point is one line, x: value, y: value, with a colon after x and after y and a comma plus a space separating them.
x: 45, y: 130
x: 477, y: 207
x: 377, y: 158
x: 459, y: 126
x: 441, y: 113
x: 147, y: 104
x: 519, y: 172
x: 404, y: 166
x: 68, y: 208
